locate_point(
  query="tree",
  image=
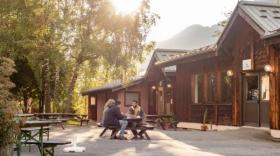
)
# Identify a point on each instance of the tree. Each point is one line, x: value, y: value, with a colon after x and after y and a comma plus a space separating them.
x: 7, y: 106
x: 101, y: 33
x: 52, y: 40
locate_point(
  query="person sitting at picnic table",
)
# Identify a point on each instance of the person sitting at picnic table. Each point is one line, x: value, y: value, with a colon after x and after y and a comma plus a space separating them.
x: 113, y: 117
x: 135, y: 111
x: 108, y: 104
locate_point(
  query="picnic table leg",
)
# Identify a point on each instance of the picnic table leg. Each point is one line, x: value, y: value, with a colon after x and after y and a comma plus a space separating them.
x: 104, y: 130
x: 18, y: 145
x: 114, y: 133
x: 41, y: 140
x: 146, y: 135
x: 62, y: 125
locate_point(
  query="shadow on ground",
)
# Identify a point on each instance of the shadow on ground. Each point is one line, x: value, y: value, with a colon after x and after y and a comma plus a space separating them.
x: 244, y: 141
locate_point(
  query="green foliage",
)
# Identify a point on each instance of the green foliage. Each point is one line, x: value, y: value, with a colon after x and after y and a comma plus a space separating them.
x: 7, y: 105
x: 62, y: 46
x: 223, y: 24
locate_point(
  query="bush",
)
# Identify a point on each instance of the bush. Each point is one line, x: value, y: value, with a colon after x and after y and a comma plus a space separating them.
x: 7, y: 105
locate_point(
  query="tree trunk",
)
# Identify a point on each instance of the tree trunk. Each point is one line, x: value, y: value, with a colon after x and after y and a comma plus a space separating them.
x: 46, y: 87
x: 69, y: 100
x: 25, y: 104
x: 6, y: 150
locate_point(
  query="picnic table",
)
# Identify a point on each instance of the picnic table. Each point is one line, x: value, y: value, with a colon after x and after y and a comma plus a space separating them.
x: 63, y: 116
x: 25, y: 115
x: 134, y: 124
x: 42, y: 145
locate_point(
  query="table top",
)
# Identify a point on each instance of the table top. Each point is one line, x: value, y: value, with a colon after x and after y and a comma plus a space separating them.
x: 53, y: 114
x: 59, y: 114
x: 133, y: 119
x: 166, y: 116
x: 36, y: 123
x: 24, y: 115
x: 152, y: 116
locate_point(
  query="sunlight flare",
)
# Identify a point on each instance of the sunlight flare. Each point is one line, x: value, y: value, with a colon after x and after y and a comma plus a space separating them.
x: 126, y: 6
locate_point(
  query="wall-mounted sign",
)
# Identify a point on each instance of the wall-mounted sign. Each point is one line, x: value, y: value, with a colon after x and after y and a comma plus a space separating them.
x: 247, y: 64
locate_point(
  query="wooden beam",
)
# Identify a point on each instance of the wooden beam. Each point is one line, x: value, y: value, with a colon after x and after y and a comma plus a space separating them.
x: 274, y: 88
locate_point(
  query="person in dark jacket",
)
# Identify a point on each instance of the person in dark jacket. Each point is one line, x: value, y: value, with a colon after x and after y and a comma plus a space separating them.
x: 114, y: 117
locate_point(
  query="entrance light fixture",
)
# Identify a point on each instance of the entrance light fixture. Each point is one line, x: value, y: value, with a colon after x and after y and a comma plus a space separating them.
x: 268, y: 68
x: 168, y: 85
x: 154, y: 87
x: 229, y: 73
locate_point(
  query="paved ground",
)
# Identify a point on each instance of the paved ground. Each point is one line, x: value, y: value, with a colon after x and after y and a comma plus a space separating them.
x: 244, y: 141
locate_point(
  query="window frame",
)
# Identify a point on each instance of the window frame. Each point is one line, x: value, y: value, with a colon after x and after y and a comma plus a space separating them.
x: 195, y: 89
x: 222, y: 75
x: 215, y: 92
x: 139, y: 97
x: 95, y: 100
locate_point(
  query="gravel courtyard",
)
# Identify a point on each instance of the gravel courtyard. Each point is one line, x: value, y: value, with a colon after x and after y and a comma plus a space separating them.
x: 244, y: 141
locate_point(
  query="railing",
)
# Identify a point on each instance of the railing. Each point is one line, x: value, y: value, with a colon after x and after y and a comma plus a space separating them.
x: 220, y: 114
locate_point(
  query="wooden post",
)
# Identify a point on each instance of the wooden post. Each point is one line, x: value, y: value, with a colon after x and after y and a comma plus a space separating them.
x: 274, y: 88
x: 219, y: 95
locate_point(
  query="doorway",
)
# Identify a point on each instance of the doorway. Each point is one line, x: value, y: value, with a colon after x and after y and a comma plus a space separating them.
x: 256, y: 99
x: 152, y: 100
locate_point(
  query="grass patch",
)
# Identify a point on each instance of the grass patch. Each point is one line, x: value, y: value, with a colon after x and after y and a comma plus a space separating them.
x: 73, y: 122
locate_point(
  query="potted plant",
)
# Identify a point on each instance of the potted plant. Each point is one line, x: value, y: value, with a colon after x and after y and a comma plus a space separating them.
x: 204, y: 127
x: 7, y: 108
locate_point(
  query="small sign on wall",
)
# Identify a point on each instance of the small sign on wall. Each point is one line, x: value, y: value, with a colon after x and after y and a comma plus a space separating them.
x: 247, y: 64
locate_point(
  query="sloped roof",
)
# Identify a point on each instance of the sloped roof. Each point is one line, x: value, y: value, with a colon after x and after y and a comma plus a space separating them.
x: 165, y: 54
x: 263, y: 17
x: 114, y: 86
x: 134, y: 82
x: 108, y: 86
x: 189, y: 54
x: 159, y: 54
x: 266, y: 16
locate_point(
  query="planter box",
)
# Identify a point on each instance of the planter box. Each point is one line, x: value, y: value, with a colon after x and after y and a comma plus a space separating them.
x: 275, y: 133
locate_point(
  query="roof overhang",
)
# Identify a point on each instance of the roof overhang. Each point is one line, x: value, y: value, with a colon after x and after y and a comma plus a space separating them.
x: 131, y: 84
x: 188, y: 59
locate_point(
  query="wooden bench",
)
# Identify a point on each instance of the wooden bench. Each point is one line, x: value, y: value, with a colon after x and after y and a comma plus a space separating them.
x: 82, y: 118
x: 27, y: 132
x: 162, y: 121
x: 48, y: 145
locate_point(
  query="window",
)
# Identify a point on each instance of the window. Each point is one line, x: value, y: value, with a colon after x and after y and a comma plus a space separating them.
x: 226, y: 88
x: 130, y: 96
x: 212, y: 83
x: 265, y: 87
x: 198, y: 88
x: 252, y: 87
x: 92, y: 100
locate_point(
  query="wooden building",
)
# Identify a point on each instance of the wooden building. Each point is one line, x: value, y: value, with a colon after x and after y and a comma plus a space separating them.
x: 237, y: 79
x: 154, y: 90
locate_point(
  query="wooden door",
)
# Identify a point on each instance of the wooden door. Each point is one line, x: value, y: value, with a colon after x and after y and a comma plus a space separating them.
x: 251, y: 100
x: 93, y: 107
x: 152, y: 101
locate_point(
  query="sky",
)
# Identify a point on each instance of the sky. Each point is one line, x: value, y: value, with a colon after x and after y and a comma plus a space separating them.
x: 176, y: 15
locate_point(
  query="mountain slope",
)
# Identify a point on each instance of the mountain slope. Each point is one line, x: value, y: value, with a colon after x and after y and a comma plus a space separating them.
x: 194, y: 36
